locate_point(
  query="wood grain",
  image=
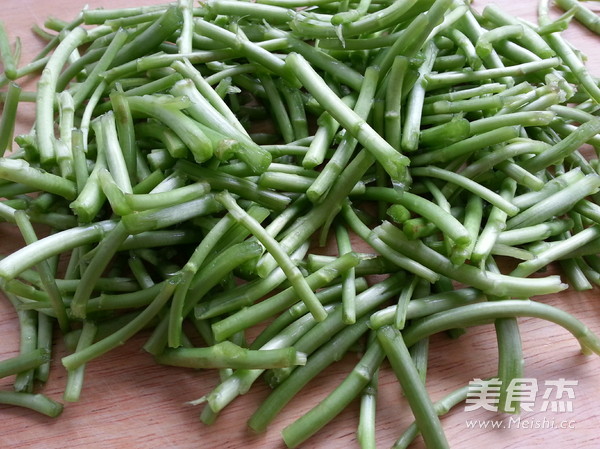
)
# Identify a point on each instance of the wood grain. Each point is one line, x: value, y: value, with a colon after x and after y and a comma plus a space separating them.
x: 130, y: 402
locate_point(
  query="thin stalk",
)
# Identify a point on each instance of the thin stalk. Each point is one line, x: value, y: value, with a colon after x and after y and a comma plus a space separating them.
x: 241, y: 380
x: 336, y: 164
x: 348, y: 278
x: 490, y: 283
x: 46, y: 275
x: 37, y: 402
x: 45, y: 325
x: 555, y: 204
x: 438, y: 81
x: 9, y: 116
x: 316, y: 418
x: 393, y: 162
x: 20, y: 171
x: 292, y: 272
x: 117, y: 338
x: 467, y: 146
x: 126, y: 135
x: 393, y: 101
x: 414, y: 102
x: 203, y: 280
x: 24, y: 362
x: 426, y: 418
x: 30, y: 255
x: 478, y: 313
x: 75, y: 376
x: 229, y: 355
x: 496, y: 222
x: 441, y: 407
x: 106, y: 250
x: 278, y: 109
x: 326, y: 295
x: 46, y: 90
x: 6, y: 54
x: 338, y: 345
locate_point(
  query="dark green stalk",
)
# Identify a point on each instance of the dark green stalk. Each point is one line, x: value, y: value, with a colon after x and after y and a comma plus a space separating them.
x: 27, y: 345
x: 202, y: 280
x: 241, y: 380
x: 269, y: 307
x: 245, y: 188
x: 368, y: 407
x: 123, y: 334
x: 295, y: 105
x: 403, y: 301
x: 185, y: 127
x: 427, y: 209
x: 556, y: 204
x: 441, y: 407
x: 316, y: 418
x: 490, y: 283
x: 348, y: 278
x: 337, y: 347
x: 467, y: 47
x: 336, y: 164
x: 126, y: 134
x: 393, y: 162
x: 139, y: 298
x: 393, y: 101
x: 323, y: 139
x: 478, y: 313
x: 414, y: 103
x: 467, y: 146
x: 321, y: 334
x: 9, y: 116
x: 139, y: 202
x: 106, y: 250
x: 186, y: 69
x: 563, y: 148
x: 95, y: 76
x: 278, y: 109
x: 47, y: 277
x: 474, y: 187
x: 419, y: 401
x: 416, y: 34
x: 496, y: 222
x: 293, y: 274
x: 326, y: 295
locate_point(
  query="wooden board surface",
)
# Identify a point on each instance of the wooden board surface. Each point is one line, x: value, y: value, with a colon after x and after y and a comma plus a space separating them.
x: 130, y: 402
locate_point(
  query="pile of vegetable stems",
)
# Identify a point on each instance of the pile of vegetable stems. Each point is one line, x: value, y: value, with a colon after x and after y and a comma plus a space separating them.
x: 190, y: 160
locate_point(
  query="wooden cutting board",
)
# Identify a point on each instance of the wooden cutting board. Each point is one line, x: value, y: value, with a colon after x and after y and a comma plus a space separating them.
x: 130, y: 402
